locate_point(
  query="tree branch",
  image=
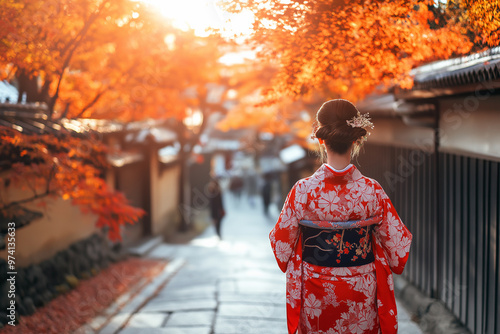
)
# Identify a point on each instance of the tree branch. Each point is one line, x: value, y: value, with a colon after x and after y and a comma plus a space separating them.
x: 66, y: 110
x: 51, y: 175
x: 74, y: 45
x: 91, y: 103
x: 27, y: 200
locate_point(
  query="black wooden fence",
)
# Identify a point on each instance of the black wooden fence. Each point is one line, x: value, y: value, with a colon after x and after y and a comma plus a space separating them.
x: 451, y: 204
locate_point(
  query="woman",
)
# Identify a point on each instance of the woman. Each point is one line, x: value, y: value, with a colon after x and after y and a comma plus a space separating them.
x: 339, y: 237
x: 216, y: 205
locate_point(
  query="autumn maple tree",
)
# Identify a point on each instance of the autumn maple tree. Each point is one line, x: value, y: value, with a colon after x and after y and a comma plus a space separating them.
x: 478, y: 19
x: 104, y: 59
x: 48, y: 166
x: 347, y: 48
x: 352, y: 48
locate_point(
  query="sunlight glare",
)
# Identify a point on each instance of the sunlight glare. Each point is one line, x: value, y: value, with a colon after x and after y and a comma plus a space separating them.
x: 201, y: 15
x: 241, y: 57
x: 194, y: 118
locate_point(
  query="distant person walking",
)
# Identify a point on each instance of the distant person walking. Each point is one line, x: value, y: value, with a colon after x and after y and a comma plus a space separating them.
x: 267, y: 193
x: 216, y: 205
x: 252, y: 183
x: 236, y: 184
x: 339, y: 237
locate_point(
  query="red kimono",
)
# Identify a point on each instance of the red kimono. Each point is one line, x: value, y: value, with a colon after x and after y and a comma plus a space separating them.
x: 350, y: 299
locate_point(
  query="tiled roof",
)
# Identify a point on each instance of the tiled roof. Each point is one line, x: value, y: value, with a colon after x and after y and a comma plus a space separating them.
x: 28, y: 118
x: 478, y: 67
x: 33, y: 119
x: 457, y: 75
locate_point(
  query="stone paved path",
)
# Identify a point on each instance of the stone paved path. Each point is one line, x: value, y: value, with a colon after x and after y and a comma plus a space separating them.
x: 231, y: 286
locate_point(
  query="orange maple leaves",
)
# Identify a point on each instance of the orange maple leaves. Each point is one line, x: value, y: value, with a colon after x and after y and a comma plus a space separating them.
x: 348, y: 48
x: 483, y: 18
x: 70, y: 168
x: 103, y: 59
x: 329, y: 48
x: 96, y: 59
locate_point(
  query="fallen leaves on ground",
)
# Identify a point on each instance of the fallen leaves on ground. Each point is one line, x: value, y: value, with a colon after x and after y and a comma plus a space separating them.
x: 68, y: 312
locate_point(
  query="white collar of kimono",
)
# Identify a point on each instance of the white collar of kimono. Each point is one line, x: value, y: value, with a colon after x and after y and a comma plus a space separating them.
x: 339, y: 170
x: 350, y: 172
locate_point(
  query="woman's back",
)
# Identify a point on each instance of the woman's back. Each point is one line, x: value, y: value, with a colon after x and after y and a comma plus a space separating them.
x: 339, y: 238
x: 337, y: 196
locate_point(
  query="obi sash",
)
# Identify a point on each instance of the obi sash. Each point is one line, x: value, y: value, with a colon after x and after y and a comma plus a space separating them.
x: 337, y: 247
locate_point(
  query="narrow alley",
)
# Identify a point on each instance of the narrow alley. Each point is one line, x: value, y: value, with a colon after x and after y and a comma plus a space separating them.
x: 231, y: 286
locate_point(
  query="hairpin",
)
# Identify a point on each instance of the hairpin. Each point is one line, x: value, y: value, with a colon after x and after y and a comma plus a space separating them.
x: 361, y: 121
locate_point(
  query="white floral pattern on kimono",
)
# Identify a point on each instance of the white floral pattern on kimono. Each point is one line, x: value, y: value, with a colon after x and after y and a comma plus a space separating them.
x: 328, y: 300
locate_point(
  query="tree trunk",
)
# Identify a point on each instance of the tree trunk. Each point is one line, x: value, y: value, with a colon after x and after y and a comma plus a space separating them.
x: 186, y: 137
x: 28, y: 84
x: 184, y: 203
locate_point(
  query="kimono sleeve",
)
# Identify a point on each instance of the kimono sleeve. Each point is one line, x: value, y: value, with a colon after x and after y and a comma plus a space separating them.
x: 392, y: 234
x: 286, y: 231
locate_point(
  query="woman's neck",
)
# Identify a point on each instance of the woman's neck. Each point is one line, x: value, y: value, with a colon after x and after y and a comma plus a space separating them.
x: 338, y: 161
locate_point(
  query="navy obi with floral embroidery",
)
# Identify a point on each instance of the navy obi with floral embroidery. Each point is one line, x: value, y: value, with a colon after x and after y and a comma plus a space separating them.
x: 336, y: 247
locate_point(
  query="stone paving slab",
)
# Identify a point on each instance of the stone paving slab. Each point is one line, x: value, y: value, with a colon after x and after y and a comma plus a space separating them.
x: 189, y: 330
x: 227, y: 286
x: 164, y: 251
x: 185, y: 279
x: 257, y: 286
x: 188, y: 284
x: 194, y: 318
x: 146, y: 320
x: 172, y: 295
x: 244, y: 263
x: 271, y: 274
x: 100, y: 320
x: 272, y: 298
x: 116, y: 323
x: 171, y: 330
x: 85, y: 329
x: 225, y: 325
x: 162, y: 305
x: 119, y: 319
x: 407, y: 327
x: 258, y: 311
x: 402, y: 313
x: 145, y: 247
x: 405, y: 324
x: 180, y: 293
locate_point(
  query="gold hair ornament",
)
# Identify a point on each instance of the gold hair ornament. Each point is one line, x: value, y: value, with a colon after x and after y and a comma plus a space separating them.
x: 361, y: 121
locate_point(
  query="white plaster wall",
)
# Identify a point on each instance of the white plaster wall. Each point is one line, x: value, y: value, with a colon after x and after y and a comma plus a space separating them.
x: 61, y: 225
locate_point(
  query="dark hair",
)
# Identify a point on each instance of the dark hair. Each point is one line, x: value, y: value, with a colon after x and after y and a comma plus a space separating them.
x: 332, y: 127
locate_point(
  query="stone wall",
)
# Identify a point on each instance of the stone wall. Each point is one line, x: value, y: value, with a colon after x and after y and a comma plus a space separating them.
x: 39, y: 283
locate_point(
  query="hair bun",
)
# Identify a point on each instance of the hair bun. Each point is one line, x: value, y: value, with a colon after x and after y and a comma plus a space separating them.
x: 332, y: 119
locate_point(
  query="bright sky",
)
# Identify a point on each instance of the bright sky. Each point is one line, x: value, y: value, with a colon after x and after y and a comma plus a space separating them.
x: 202, y: 14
